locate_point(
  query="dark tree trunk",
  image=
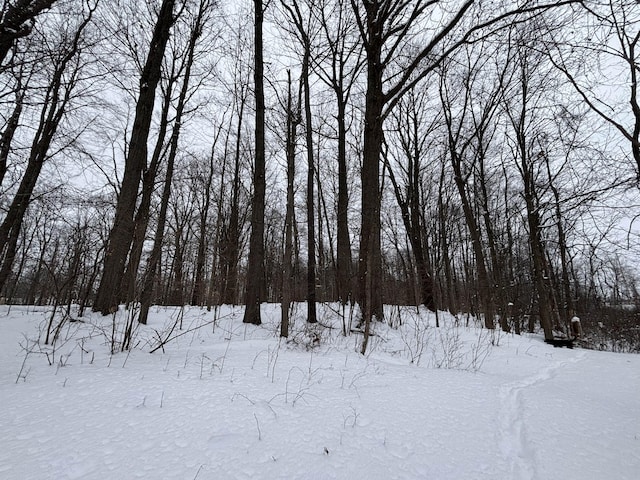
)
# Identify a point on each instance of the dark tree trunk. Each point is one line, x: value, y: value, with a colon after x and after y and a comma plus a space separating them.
x: 311, y: 231
x: 344, y: 243
x: 370, y: 256
x: 496, y: 276
x: 484, y: 282
x: 409, y: 124
x: 293, y: 119
x: 340, y: 76
x: 176, y: 291
x: 231, y: 237
x: 151, y: 270
x: 9, y: 131
x: 452, y: 300
x: 109, y: 292
x: 410, y: 212
x: 255, y: 270
x: 519, y: 120
x: 539, y: 263
x: 146, y: 295
x: 568, y: 308
x: 141, y: 221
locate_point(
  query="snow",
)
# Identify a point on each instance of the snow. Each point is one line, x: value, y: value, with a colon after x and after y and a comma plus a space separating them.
x: 232, y: 401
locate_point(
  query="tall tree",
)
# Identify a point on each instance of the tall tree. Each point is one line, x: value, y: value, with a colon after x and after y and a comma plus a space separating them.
x: 146, y: 296
x: 339, y: 72
x: 384, y: 27
x: 470, y: 94
x: 524, y: 105
x: 109, y: 292
x: 148, y: 187
x: 303, y: 31
x: 231, y: 235
x: 255, y: 270
x: 293, y: 119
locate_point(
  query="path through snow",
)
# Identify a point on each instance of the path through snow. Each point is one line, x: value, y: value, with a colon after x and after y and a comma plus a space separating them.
x: 513, y: 435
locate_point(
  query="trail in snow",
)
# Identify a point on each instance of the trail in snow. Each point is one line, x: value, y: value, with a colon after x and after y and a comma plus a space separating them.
x: 513, y: 438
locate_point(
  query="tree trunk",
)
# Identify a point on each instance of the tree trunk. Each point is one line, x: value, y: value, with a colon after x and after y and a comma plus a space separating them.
x: 410, y: 212
x: 154, y: 259
x: 231, y: 237
x: 484, y: 282
x: 142, y: 214
x: 109, y: 292
x: 293, y: 119
x: 255, y: 270
x: 311, y: 232
x: 10, y: 130
x: 370, y: 256
x: 451, y: 295
x: 343, y: 240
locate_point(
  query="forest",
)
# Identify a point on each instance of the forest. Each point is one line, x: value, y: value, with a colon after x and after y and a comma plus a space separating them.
x: 475, y: 157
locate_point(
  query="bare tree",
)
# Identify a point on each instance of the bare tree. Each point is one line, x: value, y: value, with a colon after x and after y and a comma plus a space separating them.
x: 524, y: 104
x: 470, y: 96
x: 388, y: 27
x: 204, y: 181
x: 384, y: 27
x: 121, y: 235
x: 255, y: 270
x: 293, y: 119
x: 232, y: 226
x: 154, y: 258
x: 66, y: 70
x: 413, y: 132
x: 607, y: 34
x: 338, y: 66
x: 141, y: 221
x: 304, y: 31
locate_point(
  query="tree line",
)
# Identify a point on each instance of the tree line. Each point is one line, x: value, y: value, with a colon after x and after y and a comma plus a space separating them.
x: 470, y: 156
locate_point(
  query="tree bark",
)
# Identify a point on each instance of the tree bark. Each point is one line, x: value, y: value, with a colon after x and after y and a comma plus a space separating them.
x: 370, y: 256
x: 343, y: 240
x: 255, y: 270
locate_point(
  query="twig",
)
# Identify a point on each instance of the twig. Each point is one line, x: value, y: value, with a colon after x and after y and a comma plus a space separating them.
x: 258, y: 427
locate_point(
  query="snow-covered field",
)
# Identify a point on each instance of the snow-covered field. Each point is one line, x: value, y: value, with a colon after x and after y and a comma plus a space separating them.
x: 231, y: 401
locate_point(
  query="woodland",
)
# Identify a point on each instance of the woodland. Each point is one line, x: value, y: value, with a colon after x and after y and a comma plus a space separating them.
x: 476, y: 157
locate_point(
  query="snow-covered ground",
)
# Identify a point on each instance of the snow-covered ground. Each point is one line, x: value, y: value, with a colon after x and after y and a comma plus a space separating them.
x: 231, y: 401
